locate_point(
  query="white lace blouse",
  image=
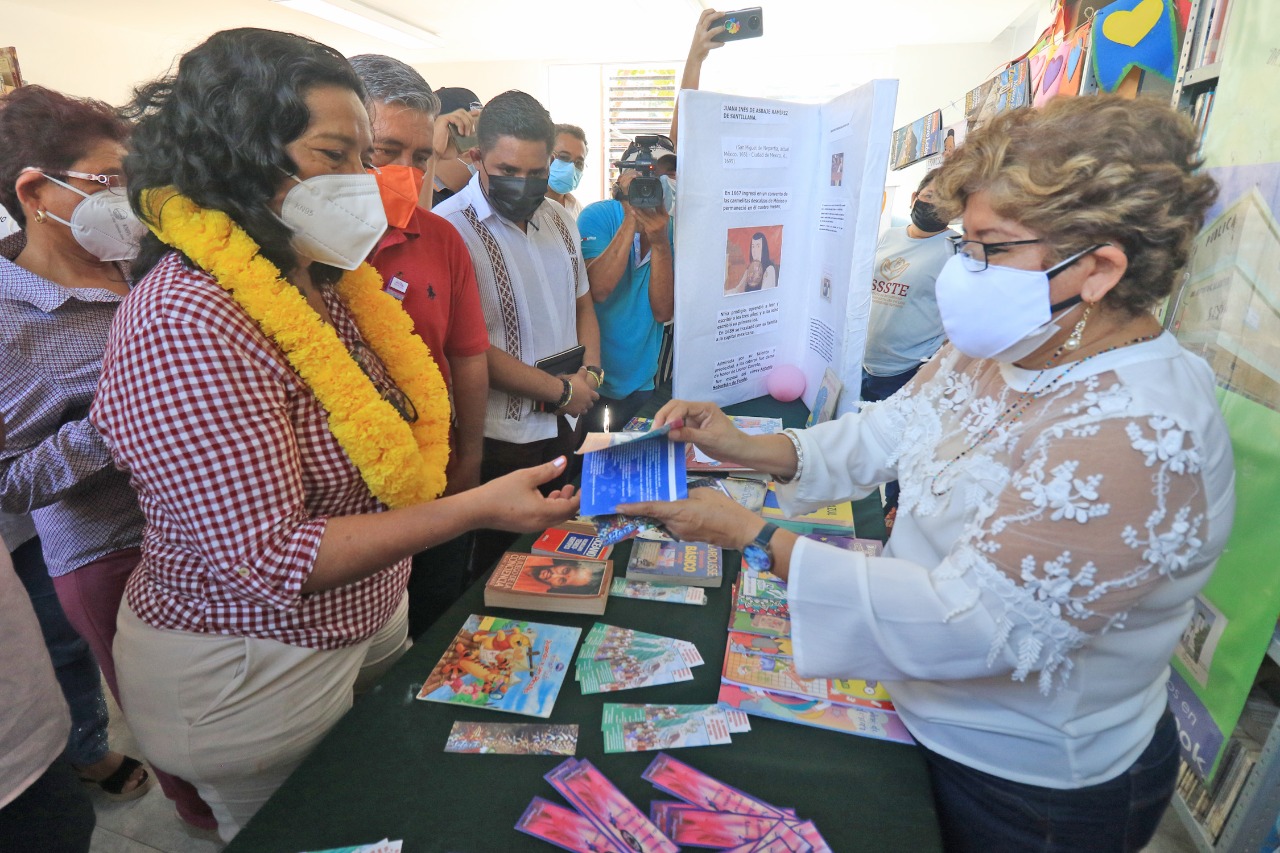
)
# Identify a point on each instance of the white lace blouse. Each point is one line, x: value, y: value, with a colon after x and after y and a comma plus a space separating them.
x: 1027, y: 604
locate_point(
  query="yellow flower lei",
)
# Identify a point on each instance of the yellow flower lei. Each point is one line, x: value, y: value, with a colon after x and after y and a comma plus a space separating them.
x: 401, y: 464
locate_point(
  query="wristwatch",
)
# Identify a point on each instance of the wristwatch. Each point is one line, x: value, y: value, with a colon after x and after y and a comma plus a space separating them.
x: 758, y: 555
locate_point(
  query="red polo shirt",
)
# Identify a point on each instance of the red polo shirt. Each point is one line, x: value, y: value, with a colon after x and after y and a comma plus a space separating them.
x: 427, y: 267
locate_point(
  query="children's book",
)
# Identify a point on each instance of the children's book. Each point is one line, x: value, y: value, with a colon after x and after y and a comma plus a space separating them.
x: 627, y: 467
x: 754, y: 617
x: 623, y: 588
x: 503, y: 665
x: 836, y: 519
x: 556, y: 584
x: 777, y: 673
x: 807, y: 711
x: 686, y: 563
x: 562, y: 542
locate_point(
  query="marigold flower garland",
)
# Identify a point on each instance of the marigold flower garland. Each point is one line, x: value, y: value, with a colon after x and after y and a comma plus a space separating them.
x: 402, y: 464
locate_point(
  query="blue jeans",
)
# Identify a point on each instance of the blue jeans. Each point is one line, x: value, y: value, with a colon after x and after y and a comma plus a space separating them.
x: 73, y: 661
x: 983, y: 813
x: 874, y: 389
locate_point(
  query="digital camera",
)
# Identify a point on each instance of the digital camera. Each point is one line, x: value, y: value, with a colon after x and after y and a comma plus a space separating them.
x: 645, y: 190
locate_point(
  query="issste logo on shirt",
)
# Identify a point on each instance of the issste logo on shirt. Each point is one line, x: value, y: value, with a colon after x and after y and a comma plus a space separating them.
x: 885, y: 290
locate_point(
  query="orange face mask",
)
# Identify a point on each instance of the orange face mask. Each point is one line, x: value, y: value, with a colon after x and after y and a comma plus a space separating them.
x: 400, y: 187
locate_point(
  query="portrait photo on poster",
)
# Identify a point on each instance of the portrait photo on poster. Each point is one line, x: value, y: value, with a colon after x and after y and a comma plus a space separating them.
x: 837, y: 169
x: 824, y: 289
x: 753, y: 257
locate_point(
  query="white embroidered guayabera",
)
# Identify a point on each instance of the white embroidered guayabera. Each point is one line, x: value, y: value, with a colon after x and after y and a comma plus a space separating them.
x: 1073, y: 512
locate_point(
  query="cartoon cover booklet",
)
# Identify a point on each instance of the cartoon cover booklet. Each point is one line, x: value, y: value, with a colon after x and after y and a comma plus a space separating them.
x: 503, y: 665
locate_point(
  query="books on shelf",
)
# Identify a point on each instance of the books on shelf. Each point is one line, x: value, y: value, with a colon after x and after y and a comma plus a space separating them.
x: 686, y: 563
x: 563, y: 542
x: 503, y: 665
x: 556, y: 584
x: 836, y: 519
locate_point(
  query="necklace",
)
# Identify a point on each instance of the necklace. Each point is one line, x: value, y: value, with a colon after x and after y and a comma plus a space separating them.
x: 402, y: 463
x: 1015, y: 410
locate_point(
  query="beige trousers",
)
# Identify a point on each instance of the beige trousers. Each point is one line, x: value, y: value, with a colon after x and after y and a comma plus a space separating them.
x: 235, y: 715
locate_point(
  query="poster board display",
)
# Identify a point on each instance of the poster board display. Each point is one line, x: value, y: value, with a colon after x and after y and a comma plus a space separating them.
x: 775, y: 239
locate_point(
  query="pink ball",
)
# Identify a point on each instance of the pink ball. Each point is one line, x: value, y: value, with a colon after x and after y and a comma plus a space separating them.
x: 785, y: 383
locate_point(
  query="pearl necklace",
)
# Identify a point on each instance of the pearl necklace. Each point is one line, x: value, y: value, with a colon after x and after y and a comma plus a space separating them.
x: 1014, y: 412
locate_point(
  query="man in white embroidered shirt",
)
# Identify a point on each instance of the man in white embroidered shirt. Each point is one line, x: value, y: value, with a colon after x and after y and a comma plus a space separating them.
x: 533, y: 289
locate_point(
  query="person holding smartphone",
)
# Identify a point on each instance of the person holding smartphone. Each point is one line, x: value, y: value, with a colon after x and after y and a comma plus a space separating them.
x: 455, y: 131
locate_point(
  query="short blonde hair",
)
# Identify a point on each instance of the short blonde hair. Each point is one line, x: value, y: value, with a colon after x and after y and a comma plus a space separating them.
x: 1089, y: 170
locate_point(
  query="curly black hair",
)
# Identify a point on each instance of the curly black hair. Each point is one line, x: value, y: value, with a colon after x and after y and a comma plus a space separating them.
x: 217, y: 130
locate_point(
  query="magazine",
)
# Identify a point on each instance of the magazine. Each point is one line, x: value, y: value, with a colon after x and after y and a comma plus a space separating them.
x: 503, y: 665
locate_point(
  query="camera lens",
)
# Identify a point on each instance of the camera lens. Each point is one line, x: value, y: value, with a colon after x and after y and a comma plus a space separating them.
x: 754, y: 22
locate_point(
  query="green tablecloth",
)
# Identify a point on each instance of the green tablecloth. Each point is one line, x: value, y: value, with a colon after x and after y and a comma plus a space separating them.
x: 382, y: 771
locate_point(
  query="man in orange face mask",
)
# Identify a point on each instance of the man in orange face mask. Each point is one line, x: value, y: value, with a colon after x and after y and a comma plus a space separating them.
x: 425, y: 265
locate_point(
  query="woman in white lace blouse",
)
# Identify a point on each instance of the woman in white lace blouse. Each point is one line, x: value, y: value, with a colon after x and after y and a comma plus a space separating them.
x: 1067, y: 487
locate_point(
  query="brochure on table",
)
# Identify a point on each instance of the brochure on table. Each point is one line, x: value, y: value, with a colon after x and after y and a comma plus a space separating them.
x: 793, y: 192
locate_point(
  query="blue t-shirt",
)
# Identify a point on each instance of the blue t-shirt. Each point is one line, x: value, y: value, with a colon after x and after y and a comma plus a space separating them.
x: 629, y: 335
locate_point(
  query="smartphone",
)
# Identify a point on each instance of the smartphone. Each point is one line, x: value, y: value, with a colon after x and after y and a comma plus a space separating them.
x: 463, y: 143
x: 742, y: 24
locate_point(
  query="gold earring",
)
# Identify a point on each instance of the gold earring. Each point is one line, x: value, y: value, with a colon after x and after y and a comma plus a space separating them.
x: 40, y: 217
x: 1073, y: 342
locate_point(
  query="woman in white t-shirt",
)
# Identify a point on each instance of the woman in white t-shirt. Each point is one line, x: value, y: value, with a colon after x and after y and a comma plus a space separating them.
x: 1067, y: 488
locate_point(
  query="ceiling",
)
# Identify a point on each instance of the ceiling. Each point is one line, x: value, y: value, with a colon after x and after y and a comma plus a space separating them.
x: 571, y: 30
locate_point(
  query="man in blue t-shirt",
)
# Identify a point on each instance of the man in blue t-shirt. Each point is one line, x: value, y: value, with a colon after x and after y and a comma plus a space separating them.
x: 632, y: 276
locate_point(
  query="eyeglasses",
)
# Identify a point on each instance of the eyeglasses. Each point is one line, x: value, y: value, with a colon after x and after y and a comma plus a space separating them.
x: 977, y: 254
x: 366, y: 359
x: 115, y: 183
x: 566, y: 157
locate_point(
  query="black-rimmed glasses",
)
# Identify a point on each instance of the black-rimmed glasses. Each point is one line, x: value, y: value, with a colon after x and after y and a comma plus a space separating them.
x: 977, y: 254
x: 366, y: 359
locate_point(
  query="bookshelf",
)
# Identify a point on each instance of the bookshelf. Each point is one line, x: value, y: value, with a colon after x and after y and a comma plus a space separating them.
x: 1253, y: 813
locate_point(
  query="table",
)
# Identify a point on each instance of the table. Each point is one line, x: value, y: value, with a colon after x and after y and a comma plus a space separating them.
x: 382, y: 771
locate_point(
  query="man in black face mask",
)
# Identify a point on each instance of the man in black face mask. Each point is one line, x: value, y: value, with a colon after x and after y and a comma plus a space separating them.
x: 904, y: 329
x: 534, y: 292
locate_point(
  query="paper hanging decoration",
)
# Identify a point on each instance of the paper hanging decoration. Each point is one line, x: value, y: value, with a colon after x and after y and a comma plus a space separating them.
x: 1008, y: 90
x: 1130, y: 34
x: 916, y: 141
x: 1058, y: 69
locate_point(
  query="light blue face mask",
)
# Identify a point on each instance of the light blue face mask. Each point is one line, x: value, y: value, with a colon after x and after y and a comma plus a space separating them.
x: 668, y: 193
x: 564, y: 177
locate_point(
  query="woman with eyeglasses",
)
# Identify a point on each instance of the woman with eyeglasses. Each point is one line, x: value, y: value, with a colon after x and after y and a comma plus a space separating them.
x: 62, y: 279
x: 286, y: 432
x: 1066, y: 488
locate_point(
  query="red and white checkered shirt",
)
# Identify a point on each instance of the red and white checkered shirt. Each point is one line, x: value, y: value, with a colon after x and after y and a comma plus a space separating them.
x: 235, y: 469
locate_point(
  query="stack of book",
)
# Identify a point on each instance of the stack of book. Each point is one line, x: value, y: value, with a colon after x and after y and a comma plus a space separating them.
x: 759, y: 675
x: 833, y: 520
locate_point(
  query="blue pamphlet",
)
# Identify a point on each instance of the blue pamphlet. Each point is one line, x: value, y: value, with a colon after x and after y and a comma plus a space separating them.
x: 620, y: 468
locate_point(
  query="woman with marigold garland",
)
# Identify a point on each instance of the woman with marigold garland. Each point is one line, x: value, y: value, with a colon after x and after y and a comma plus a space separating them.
x: 285, y: 431
x: 1067, y: 487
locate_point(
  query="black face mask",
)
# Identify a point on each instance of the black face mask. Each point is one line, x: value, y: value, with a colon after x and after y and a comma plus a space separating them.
x: 925, y: 217
x: 513, y: 198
